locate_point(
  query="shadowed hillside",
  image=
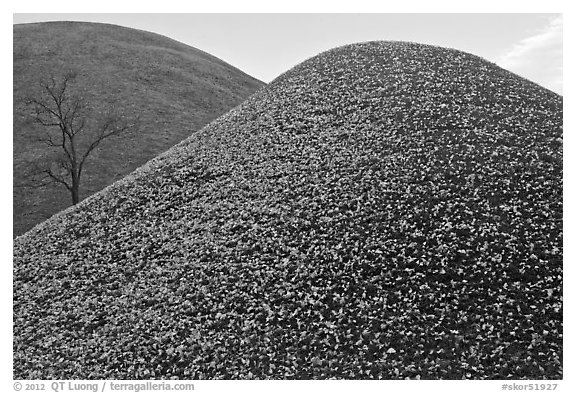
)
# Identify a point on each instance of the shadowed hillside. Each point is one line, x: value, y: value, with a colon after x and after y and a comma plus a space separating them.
x: 172, y: 88
x: 383, y: 210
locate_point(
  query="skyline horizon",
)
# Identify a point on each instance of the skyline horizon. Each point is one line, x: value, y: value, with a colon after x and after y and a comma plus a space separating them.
x: 533, y: 49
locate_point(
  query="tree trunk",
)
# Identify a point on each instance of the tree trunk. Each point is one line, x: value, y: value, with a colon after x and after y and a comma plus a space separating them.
x: 75, y: 191
x: 75, y: 195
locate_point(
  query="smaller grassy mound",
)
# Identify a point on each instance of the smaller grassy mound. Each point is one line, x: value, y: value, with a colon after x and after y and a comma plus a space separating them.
x: 172, y: 88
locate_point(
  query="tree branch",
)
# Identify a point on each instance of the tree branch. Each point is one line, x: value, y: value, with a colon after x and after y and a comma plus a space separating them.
x: 47, y: 140
x: 107, y: 129
x: 56, y: 107
x: 41, y: 177
x: 57, y: 178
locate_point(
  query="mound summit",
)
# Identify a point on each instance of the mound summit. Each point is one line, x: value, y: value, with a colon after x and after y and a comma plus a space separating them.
x: 383, y: 210
x: 172, y: 88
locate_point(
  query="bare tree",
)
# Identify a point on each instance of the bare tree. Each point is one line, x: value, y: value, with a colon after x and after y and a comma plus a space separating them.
x: 71, y: 129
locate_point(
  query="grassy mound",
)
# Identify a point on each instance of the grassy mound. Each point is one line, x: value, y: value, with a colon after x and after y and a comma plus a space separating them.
x: 174, y: 89
x: 383, y: 210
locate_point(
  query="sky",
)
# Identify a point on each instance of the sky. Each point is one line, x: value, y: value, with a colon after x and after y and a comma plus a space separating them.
x: 266, y: 45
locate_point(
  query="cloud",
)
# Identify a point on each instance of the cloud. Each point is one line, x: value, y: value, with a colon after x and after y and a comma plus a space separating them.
x: 539, y: 56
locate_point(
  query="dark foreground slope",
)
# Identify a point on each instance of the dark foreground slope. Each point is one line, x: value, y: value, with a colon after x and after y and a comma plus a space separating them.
x: 172, y: 88
x: 383, y: 210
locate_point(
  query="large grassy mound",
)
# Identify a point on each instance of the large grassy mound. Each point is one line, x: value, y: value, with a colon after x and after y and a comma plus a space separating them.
x: 383, y: 210
x: 173, y: 89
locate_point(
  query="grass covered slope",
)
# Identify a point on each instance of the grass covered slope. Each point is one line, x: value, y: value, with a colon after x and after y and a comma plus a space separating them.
x: 383, y: 210
x: 174, y: 89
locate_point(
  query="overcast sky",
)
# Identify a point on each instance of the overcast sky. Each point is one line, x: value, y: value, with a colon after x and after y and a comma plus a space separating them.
x: 266, y: 45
